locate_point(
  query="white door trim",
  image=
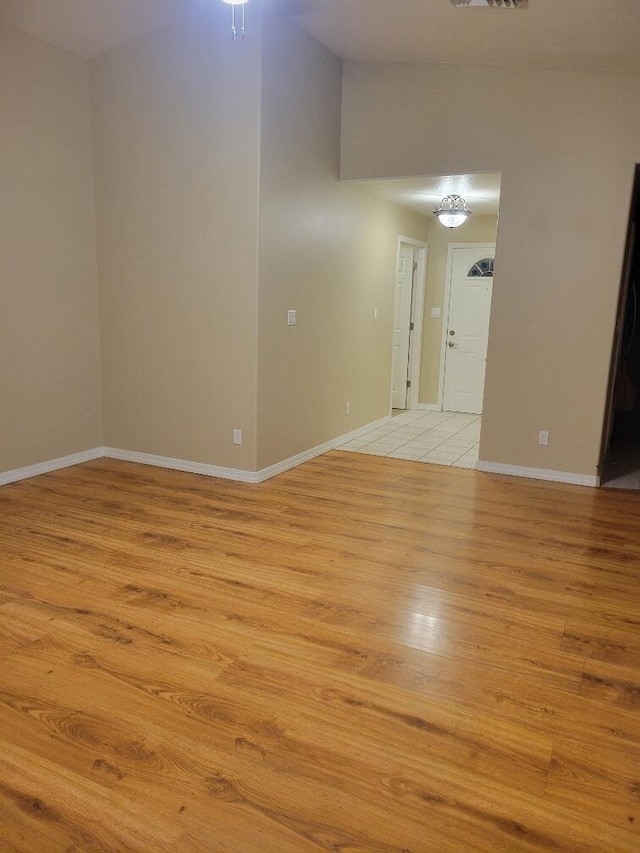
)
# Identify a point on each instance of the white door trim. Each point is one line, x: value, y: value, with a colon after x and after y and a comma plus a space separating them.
x: 445, y: 309
x: 417, y: 318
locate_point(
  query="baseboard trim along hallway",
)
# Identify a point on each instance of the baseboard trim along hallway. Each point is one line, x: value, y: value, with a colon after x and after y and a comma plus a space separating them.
x: 241, y: 476
x: 538, y: 474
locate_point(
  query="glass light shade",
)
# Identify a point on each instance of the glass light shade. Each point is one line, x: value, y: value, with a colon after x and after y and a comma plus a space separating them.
x: 452, y: 211
x: 452, y: 220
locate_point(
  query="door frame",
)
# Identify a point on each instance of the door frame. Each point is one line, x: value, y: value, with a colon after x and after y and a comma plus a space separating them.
x: 446, y: 305
x: 633, y: 236
x: 417, y: 318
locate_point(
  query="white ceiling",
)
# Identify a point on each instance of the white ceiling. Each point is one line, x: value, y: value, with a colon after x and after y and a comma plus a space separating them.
x: 583, y: 35
x: 481, y: 191
x: 586, y: 35
x: 90, y: 27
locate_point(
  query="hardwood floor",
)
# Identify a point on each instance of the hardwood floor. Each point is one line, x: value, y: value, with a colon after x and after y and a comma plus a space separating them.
x: 363, y: 654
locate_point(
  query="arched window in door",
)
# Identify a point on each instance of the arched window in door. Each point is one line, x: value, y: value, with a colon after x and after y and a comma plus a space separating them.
x: 482, y: 269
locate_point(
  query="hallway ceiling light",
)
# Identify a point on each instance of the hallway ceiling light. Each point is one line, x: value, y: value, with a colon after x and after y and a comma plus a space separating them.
x: 237, y: 32
x: 452, y: 211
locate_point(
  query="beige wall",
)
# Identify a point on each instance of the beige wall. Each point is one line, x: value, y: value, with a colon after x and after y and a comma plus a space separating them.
x: 49, y: 342
x: 558, y: 138
x: 477, y: 229
x: 177, y: 121
x: 326, y: 249
x: 176, y: 136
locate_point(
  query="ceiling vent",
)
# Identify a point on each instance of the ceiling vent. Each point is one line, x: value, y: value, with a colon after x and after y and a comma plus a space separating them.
x: 492, y: 4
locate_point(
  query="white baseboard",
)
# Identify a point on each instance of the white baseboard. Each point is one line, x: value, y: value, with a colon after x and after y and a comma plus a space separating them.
x: 184, y: 465
x: 235, y: 473
x: 429, y: 407
x: 306, y: 455
x: 51, y: 465
x: 538, y: 474
x: 266, y: 473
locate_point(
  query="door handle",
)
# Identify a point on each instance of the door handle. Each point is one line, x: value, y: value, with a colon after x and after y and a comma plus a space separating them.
x: 452, y: 344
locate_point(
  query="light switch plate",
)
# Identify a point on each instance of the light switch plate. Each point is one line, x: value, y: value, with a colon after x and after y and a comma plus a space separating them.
x: 291, y: 317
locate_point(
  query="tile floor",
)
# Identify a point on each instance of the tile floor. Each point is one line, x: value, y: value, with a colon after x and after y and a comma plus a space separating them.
x: 443, y: 438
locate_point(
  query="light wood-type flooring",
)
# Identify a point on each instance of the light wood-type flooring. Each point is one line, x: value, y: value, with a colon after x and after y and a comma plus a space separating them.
x: 362, y: 655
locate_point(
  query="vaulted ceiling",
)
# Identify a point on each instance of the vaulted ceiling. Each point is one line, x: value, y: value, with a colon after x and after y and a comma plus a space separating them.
x: 582, y: 35
x: 577, y: 35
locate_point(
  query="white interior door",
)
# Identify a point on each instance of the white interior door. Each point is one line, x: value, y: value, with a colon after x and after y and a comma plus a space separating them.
x: 467, y: 333
x: 402, y: 326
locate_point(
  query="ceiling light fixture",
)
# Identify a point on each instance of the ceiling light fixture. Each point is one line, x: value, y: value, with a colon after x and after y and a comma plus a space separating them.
x: 452, y: 212
x: 237, y: 32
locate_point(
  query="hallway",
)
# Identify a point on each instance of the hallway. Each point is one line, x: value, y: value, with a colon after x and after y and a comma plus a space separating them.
x: 442, y: 438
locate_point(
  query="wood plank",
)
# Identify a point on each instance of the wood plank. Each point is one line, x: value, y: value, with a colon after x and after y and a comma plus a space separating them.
x: 362, y: 654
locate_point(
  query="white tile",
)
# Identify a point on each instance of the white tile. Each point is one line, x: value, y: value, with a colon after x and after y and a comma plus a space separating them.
x: 464, y: 420
x: 375, y: 439
x: 469, y: 440
x: 405, y: 418
x: 433, y: 418
x: 436, y: 456
x: 415, y: 428
x: 354, y: 445
x: 470, y: 456
x: 425, y: 446
x: 405, y: 433
x: 427, y: 438
x: 383, y: 447
x: 403, y: 453
x: 463, y: 462
x: 442, y: 438
x: 378, y: 433
x: 458, y: 438
x: 471, y: 431
x: 474, y: 449
x: 435, y: 461
x: 460, y: 446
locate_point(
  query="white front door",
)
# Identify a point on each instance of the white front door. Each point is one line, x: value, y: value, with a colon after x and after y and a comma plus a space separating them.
x: 402, y: 326
x: 467, y: 333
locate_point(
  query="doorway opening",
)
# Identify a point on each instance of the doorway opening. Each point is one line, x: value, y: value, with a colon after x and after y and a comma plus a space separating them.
x: 438, y: 338
x: 407, y: 324
x: 620, y: 454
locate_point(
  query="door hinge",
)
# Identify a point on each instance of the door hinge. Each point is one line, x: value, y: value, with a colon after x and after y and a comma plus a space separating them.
x: 411, y: 327
x: 415, y: 266
x: 408, y: 383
